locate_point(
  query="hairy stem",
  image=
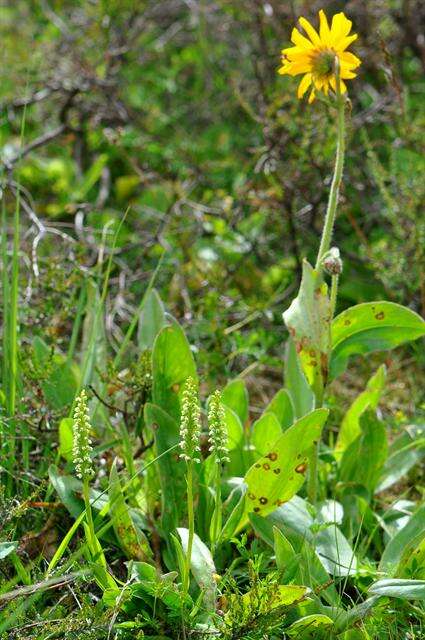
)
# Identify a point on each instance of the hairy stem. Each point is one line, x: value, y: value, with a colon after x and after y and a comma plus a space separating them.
x: 325, y: 241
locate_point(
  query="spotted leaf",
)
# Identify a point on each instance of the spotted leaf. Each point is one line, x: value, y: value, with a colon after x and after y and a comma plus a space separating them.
x: 371, y: 326
x: 278, y: 475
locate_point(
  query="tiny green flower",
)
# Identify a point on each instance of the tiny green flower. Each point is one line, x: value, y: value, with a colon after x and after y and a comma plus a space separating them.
x: 81, y: 441
x: 218, y: 429
x: 190, y: 424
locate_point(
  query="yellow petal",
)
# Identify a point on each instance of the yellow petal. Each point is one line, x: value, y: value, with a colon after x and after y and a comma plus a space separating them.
x: 349, y: 59
x: 347, y: 75
x: 310, y: 31
x: 299, y: 40
x: 304, y: 85
x: 341, y: 26
x: 342, y: 85
x: 324, y: 27
x: 341, y: 45
x: 311, y: 96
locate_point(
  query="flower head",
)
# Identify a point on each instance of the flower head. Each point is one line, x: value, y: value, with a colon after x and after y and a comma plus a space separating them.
x: 218, y: 431
x: 190, y: 423
x: 81, y: 441
x: 319, y: 55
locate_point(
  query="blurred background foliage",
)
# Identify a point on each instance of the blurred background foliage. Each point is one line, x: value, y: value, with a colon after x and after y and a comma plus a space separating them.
x: 174, y: 111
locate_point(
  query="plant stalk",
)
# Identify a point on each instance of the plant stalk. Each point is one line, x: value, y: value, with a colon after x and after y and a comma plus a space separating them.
x: 191, y: 524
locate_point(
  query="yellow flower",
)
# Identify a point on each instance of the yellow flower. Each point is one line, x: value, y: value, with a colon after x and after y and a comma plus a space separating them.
x: 316, y: 55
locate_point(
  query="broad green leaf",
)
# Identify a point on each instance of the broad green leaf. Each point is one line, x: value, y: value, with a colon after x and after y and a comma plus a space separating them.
x: 299, y: 390
x: 132, y: 540
x: 287, y: 560
x: 172, y: 364
x: 235, y: 507
x: 413, y: 530
x: 234, y: 429
x: 308, y: 568
x: 279, y: 474
x: 285, y: 596
x: 369, y: 398
x: 60, y: 383
x: 67, y: 487
x: 329, y: 543
x: 372, y: 326
x: 398, y: 588
x: 265, y: 431
x: 364, y: 459
x: 404, y: 453
x: 7, y: 548
x: 412, y: 563
x: 307, y: 320
x: 151, y: 320
x: 312, y: 627
x: 166, y: 433
x: 66, y: 438
x: 235, y: 396
x: 202, y: 566
x: 146, y: 578
x: 281, y: 406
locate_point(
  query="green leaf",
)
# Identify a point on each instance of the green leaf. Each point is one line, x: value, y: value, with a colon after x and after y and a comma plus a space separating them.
x: 406, y: 589
x: 279, y: 474
x: 307, y: 320
x: 412, y: 563
x: 405, y: 452
x: 166, y: 433
x: 312, y: 627
x: 265, y: 431
x: 369, y: 398
x: 234, y: 429
x: 61, y: 383
x: 364, y: 459
x: 372, y: 326
x: 151, y: 320
x: 281, y: 406
x: 413, y: 530
x: 66, y: 488
x: 132, y: 540
x: 308, y: 568
x: 202, y: 566
x: 66, y: 438
x: 235, y: 396
x: 6, y: 548
x: 301, y: 395
x: 172, y: 364
x: 329, y: 543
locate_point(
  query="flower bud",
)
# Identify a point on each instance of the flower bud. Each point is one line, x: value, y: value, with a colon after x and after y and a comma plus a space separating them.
x: 332, y: 262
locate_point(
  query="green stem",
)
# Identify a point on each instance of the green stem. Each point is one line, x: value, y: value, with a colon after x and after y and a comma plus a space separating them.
x: 325, y: 241
x: 191, y: 524
x: 89, y: 516
x: 216, y: 519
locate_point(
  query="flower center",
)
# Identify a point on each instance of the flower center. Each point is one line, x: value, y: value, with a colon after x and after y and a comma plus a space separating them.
x: 323, y: 63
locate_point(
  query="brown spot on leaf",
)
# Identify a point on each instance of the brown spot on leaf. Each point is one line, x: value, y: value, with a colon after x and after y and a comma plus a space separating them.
x: 347, y: 322
x: 272, y: 456
x: 176, y: 387
x: 256, y: 509
x: 257, y: 466
x: 251, y: 496
x: 276, y: 471
x: 263, y: 500
x: 380, y: 315
x: 301, y: 468
x: 266, y: 466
